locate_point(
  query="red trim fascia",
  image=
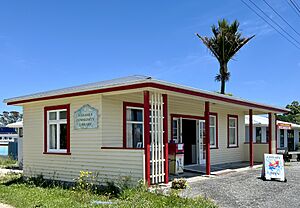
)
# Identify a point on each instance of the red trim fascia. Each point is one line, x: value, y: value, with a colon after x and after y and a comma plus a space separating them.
x: 270, y: 133
x: 237, y: 130
x: 122, y: 148
x: 57, y: 107
x: 165, y: 128
x: 125, y: 105
x: 147, y: 135
x: 217, y: 130
x: 154, y: 85
x: 184, y: 116
x: 207, y: 137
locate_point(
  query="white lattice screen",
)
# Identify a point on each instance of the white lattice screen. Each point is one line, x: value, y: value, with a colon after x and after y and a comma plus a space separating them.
x: 157, y: 159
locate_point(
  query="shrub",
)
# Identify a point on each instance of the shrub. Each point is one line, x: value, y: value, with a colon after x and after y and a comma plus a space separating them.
x: 180, y: 183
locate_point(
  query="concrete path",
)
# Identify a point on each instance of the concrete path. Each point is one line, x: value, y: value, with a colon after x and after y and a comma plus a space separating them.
x: 4, y: 171
x: 5, y: 206
x: 246, y: 189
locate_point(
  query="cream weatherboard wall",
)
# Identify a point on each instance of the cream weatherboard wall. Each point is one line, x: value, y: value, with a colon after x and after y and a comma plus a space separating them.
x: 85, y: 145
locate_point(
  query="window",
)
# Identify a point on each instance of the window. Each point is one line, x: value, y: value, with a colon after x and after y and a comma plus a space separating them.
x: 247, y: 134
x: 57, y: 126
x: 258, y: 134
x: 20, y: 132
x: 281, y: 137
x: 213, y: 131
x: 134, y: 127
x: 175, y: 130
x: 232, y: 131
x: 267, y: 134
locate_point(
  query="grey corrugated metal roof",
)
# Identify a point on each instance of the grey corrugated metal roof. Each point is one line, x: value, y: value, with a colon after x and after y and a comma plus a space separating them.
x: 85, y: 87
x: 123, y: 82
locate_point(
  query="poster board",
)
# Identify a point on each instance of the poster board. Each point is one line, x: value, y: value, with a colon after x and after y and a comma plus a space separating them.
x: 273, y: 167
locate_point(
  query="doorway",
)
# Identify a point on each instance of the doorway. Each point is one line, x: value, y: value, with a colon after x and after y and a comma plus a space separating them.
x: 189, y: 128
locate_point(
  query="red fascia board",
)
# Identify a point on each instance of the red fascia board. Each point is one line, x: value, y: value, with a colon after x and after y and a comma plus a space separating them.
x: 154, y: 85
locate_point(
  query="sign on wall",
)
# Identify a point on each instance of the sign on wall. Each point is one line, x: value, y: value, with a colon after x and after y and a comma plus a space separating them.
x: 284, y: 126
x: 86, y: 117
x: 273, y: 167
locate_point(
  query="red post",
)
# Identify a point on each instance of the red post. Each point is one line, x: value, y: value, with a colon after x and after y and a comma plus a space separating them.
x: 251, y: 137
x: 207, y: 138
x: 166, y: 156
x: 147, y: 136
x: 276, y: 132
x: 270, y: 133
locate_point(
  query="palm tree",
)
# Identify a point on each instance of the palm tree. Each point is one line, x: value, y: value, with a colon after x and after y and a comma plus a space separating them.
x: 225, y: 43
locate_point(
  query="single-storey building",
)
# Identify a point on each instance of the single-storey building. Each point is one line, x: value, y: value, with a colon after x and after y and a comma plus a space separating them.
x: 124, y: 127
x: 18, y: 128
x: 287, y: 133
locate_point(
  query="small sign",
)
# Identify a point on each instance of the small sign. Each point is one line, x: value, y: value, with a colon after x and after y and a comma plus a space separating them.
x: 86, y: 117
x: 273, y: 167
x: 284, y: 126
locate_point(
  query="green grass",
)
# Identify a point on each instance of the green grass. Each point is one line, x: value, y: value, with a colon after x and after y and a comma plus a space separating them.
x: 14, y: 191
x: 7, y: 162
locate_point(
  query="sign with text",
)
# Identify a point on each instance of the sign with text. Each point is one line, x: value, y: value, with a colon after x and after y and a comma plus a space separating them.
x: 86, y: 117
x: 284, y: 126
x: 273, y: 167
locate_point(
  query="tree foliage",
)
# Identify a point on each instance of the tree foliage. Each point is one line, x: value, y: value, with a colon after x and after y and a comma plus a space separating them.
x: 224, y: 44
x: 294, y: 115
x: 10, y: 117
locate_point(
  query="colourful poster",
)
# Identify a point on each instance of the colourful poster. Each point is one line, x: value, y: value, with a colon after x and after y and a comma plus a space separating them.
x: 273, y: 167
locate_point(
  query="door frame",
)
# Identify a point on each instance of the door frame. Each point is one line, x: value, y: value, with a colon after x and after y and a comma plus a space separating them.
x: 189, y: 117
x: 200, y: 146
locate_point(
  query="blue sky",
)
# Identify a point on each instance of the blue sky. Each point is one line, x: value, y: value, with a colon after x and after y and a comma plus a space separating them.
x: 46, y: 45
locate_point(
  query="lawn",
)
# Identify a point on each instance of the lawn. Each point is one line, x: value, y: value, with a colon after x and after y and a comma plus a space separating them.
x: 16, y: 192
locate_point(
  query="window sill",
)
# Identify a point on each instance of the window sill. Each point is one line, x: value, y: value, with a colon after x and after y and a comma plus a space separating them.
x: 256, y: 143
x: 233, y: 146
x: 214, y: 147
x: 123, y: 148
x: 57, y: 153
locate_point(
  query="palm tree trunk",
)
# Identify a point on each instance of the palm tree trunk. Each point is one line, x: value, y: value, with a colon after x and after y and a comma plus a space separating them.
x: 223, y: 86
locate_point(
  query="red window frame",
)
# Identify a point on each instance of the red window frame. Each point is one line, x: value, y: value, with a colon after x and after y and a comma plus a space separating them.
x: 237, y: 130
x: 57, y: 107
x: 125, y: 105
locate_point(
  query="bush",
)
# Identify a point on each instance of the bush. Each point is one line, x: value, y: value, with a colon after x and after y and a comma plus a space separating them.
x: 7, y: 162
x: 180, y: 183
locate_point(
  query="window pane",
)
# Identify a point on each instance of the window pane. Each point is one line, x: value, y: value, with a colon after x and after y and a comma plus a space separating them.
x: 267, y: 134
x: 212, y: 120
x: 212, y: 136
x: 134, y: 115
x: 63, y: 136
x: 281, y: 137
x: 52, y: 136
x: 63, y: 115
x: 258, y: 134
x: 232, y: 136
x: 135, y: 135
x: 52, y: 116
x: 232, y: 122
x: 247, y: 134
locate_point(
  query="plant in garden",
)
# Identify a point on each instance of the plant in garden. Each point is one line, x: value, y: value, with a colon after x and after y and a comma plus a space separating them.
x: 179, y: 183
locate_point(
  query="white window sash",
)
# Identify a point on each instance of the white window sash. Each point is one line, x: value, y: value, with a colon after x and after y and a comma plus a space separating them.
x: 215, y: 130
x: 235, y: 130
x: 56, y: 122
x: 135, y: 122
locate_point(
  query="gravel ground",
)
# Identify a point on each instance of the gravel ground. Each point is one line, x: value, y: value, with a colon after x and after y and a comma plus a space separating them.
x: 5, y: 206
x: 246, y: 189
